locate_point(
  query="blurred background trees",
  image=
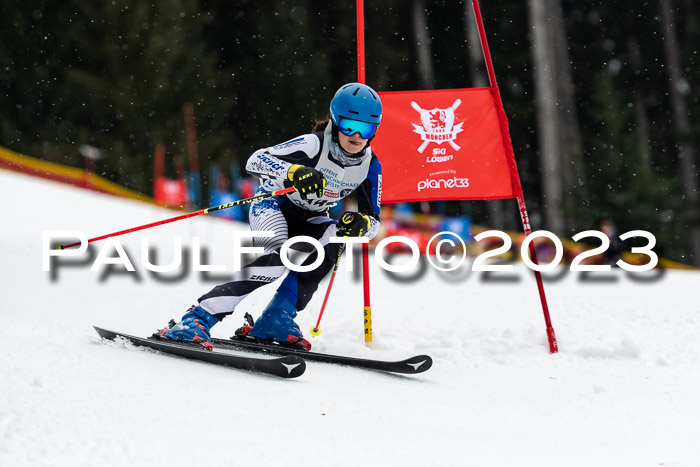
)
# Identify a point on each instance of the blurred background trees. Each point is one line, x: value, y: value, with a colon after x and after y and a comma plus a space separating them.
x: 600, y: 97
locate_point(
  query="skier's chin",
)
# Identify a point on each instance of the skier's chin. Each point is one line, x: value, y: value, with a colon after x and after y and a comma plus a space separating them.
x: 353, y: 155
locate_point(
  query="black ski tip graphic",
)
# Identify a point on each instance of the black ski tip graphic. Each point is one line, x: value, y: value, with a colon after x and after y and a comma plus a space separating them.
x: 419, y: 363
x: 293, y: 365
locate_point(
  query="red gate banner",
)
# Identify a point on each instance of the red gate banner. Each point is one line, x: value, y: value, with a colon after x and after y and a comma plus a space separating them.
x: 442, y: 145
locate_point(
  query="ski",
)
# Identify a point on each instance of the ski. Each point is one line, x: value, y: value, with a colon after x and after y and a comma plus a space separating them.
x: 413, y: 365
x: 289, y: 366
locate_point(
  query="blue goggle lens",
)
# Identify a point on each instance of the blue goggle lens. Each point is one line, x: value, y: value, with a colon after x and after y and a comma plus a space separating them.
x: 349, y: 127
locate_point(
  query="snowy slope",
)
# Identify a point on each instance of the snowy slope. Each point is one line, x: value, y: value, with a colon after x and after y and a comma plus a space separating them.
x: 622, y: 391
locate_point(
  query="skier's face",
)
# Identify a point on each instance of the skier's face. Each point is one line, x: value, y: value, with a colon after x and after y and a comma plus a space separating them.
x: 351, y: 144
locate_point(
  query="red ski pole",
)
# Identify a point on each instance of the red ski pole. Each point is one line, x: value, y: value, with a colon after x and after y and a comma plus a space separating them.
x: 315, y: 331
x: 184, y: 216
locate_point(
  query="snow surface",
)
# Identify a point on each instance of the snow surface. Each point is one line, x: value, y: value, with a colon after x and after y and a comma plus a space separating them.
x: 622, y: 391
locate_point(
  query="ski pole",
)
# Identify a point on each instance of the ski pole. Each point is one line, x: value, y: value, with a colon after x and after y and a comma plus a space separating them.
x: 185, y: 216
x: 315, y: 331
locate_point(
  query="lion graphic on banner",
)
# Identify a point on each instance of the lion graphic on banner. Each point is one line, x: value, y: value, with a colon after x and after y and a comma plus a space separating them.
x: 437, y: 125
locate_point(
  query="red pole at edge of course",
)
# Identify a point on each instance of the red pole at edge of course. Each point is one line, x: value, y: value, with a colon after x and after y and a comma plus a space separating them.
x: 551, y: 337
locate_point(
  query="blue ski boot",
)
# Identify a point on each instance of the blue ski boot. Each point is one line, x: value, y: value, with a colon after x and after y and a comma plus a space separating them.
x: 194, y: 327
x: 277, y: 324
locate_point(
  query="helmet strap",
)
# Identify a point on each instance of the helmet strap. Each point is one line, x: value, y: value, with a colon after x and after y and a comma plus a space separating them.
x: 334, y: 132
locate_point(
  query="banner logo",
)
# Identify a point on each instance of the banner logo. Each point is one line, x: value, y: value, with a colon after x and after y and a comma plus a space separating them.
x: 437, y: 125
x: 442, y: 183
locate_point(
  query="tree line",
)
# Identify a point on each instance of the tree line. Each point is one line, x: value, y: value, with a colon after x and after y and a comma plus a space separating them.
x: 600, y: 96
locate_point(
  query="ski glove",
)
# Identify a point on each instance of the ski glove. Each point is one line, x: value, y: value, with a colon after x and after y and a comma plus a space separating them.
x: 307, y: 180
x: 353, y: 224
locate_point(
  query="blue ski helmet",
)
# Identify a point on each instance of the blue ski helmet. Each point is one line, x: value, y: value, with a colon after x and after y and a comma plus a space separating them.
x: 356, y: 101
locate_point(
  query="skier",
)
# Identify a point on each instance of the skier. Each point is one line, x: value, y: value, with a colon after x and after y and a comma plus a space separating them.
x: 324, y: 167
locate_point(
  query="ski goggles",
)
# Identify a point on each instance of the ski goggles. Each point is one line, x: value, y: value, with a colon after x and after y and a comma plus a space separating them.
x: 349, y: 127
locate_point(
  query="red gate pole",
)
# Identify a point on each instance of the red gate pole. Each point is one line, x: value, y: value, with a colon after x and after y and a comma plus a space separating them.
x: 515, y: 178
x: 360, y: 41
x: 365, y: 246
